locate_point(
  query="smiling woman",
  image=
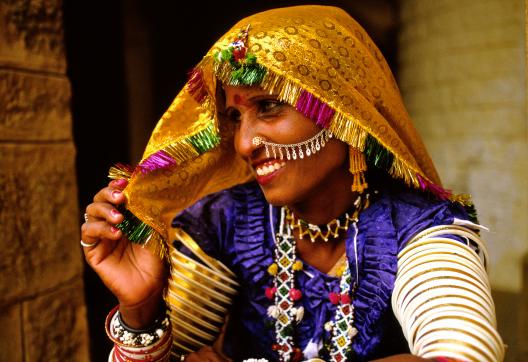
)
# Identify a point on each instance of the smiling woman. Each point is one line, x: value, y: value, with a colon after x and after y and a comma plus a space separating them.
x: 294, y: 203
x: 261, y: 118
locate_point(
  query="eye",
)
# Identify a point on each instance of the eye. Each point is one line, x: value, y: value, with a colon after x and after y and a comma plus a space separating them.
x: 269, y: 106
x: 233, y: 115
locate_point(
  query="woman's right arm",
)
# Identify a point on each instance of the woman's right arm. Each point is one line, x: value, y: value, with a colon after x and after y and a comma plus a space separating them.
x: 132, y: 273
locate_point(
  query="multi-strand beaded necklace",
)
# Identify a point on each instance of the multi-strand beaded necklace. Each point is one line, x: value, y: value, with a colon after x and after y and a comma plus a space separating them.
x: 286, y: 312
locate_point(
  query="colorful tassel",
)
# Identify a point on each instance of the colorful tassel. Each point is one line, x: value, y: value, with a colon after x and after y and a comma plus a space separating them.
x: 120, y: 171
x: 206, y: 139
x: 436, y: 190
x: 358, y: 166
x: 315, y: 109
x: 348, y: 130
x: 196, y: 85
x: 160, y: 159
x: 236, y: 66
x: 202, y: 140
x: 246, y: 74
x: 134, y: 229
x: 377, y: 155
x: 140, y: 233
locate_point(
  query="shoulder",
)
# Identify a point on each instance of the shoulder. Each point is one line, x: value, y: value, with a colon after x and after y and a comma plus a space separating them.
x: 411, y: 211
x: 212, y: 219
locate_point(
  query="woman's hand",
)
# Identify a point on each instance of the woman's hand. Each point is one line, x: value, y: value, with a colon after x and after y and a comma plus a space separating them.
x: 132, y: 273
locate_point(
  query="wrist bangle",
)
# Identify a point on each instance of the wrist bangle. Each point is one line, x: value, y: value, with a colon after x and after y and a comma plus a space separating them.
x: 122, y: 335
x: 153, y: 326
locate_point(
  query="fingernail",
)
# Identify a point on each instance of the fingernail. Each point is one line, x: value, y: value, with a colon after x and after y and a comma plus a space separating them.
x: 114, y: 212
x: 121, y: 182
x: 115, y: 230
x: 116, y: 194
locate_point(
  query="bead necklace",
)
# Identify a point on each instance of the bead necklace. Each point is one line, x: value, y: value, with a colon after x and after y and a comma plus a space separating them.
x: 284, y: 312
x: 329, y: 230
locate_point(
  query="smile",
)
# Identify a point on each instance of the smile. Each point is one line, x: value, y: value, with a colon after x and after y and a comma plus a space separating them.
x: 269, y: 167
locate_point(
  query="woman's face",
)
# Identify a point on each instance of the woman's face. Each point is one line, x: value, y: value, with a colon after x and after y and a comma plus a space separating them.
x: 284, y: 182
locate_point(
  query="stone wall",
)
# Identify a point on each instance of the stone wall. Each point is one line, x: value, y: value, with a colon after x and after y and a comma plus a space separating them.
x: 43, y: 316
x: 462, y: 75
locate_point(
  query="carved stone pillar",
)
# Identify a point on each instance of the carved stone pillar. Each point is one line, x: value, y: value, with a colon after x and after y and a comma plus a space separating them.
x: 43, y: 316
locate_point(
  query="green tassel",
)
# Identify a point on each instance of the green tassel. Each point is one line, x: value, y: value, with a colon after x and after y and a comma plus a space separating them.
x: 247, y: 74
x: 377, y: 155
x: 205, y: 140
x: 134, y: 229
x: 227, y: 55
x: 251, y: 59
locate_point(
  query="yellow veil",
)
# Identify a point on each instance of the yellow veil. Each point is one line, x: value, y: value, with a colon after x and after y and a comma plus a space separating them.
x: 316, y: 58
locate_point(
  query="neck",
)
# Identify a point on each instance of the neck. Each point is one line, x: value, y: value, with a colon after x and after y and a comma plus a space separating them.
x: 327, y: 202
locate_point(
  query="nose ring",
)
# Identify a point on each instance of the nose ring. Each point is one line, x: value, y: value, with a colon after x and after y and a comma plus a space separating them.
x: 293, y: 150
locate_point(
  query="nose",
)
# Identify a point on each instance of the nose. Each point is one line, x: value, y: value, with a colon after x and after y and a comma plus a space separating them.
x: 244, y: 135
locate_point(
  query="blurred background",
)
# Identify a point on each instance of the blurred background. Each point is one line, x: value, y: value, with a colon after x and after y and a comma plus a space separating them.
x: 82, y: 84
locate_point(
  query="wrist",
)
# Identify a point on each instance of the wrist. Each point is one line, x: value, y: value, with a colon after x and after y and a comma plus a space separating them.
x: 141, y: 316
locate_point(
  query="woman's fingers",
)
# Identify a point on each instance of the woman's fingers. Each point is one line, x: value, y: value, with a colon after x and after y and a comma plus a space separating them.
x: 110, y: 194
x: 99, y: 234
x: 95, y: 230
x: 103, y: 207
x: 113, y: 193
x: 118, y: 184
x: 103, y: 211
x: 98, y: 240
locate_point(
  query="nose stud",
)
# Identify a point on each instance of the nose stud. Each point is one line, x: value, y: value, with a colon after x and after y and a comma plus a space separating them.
x: 306, y: 148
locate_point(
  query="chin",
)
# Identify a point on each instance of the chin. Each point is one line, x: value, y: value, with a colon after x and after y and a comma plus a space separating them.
x: 275, y: 197
x: 275, y: 200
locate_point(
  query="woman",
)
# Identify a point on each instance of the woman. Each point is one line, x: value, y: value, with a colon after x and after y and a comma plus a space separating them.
x: 302, y: 193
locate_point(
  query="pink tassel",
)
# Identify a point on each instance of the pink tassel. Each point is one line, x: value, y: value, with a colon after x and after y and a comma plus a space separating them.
x: 421, y: 181
x: 318, y: 111
x: 270, y: 292
x: 438, y: 191
x: 158, y: 160
x: 196, y: 85
x: 295, y: 294
x: 334, y: 297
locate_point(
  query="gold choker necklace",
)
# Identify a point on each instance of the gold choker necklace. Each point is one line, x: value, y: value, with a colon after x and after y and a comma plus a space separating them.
x: 329, y: 230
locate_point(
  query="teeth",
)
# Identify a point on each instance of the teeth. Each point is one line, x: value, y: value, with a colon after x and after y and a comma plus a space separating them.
x: 267, y: 169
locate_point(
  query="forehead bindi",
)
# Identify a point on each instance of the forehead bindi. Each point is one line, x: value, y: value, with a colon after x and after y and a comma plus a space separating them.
x: 239, y: 100
x: 243, y: 96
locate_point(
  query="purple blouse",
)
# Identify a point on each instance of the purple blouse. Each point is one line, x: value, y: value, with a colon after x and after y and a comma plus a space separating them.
x: 234, y: 226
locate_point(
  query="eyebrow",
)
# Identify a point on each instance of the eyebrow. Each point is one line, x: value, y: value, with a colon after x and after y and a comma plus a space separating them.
x: 257, y: 97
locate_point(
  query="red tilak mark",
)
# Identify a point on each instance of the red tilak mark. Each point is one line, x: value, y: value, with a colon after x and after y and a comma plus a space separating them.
x: 239, y: 99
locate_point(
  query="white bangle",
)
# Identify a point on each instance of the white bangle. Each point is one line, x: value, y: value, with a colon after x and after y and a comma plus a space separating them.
x: 442, y: 297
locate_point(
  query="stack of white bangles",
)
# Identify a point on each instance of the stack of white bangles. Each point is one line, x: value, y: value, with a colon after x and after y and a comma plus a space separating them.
x: 442, y: 296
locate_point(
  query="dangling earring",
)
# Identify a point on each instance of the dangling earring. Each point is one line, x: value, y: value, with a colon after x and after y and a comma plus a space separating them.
x: 358, y: 166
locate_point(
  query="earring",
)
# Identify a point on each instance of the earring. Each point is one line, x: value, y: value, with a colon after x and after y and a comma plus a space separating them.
x: 291, y: 151
x: 358, y: 166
